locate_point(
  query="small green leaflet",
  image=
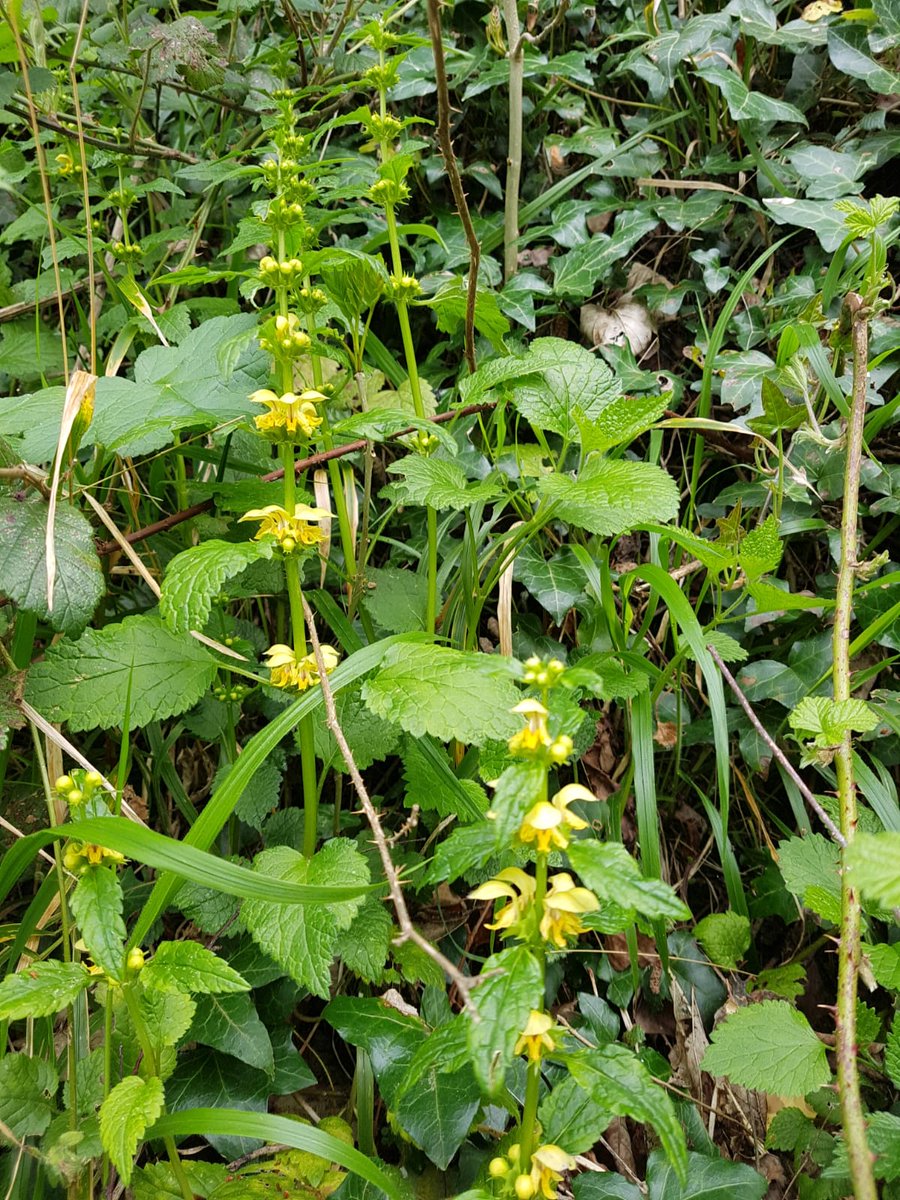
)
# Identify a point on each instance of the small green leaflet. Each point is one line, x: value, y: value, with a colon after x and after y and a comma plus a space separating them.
x: 195, y: 577
x: 126, y: 1112
x: 97, y: 906
x: 769, y: 1047
x: 725, y: 937
x: 41, y: 989
x: 189, y: 967
x: 874, y: 860
x: 27, y: 1091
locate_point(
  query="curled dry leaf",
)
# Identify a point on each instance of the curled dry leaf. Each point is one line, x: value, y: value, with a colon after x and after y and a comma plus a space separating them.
x: 627, y: 322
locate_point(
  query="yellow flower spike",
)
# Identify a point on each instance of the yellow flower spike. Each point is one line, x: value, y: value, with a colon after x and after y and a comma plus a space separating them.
x: 289, y: 531
x: 289, y: 671
x: 536, y: 1036
x: 547, y: 1166
x: 564, y: 905
x: 512, y: 884
x: 288, y: 415
x: 542, y: 826
x: 534, y: 736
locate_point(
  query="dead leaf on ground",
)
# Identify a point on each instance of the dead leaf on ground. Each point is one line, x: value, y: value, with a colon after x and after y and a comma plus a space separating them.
x: 627, y: 321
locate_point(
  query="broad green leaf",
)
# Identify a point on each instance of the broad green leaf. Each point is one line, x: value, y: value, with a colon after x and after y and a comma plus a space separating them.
x: 848, y: 49
x: 709, y: 1178
x: 588, y: 1185
x: 874, y: 860
x: 431, y: 783
x: 231, y: 1024
x: 768, y: 1047
x: 27, y: 1094
x: 447, y: 693
x: 97, y: 904
x: 820, y: 216
x: 439, y: 483
x: 745, y: 105
x: 87, y: 683
x: 760, y: 551
x: 769, y: 598
x: 557, y: 583
x: 395, y: 598
x: 612, y: 497
x: 41, y: 989
x: 884, y: 959
x: 364, y: 947
x: 189, y: 967
x: 578, y: 274
x: 306, y: 948
x: 827, y: 720
x: 622, y: 421
x: 449, y: 305
x: 572, y: 1118
x: 261, y: 796
x: 370, y: 738
x: 616, y: 1078
x: 769, y: 679
x: 157, y: 1181
x: 167, y: 1017
x: 609, y: 870
x: 503, y: 1003
x: 438, y: 1112
x: 203, y: 1077
x: 126, y: 1112
x: 23, y: 564
x: 810, y: 862
x: 390, y: 1038
x: 725, y: 937
x: 354, y: 280
x: 195, y: 577
x: 789, y: 1129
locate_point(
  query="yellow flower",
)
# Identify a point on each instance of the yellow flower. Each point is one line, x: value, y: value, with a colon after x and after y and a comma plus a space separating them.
x: 548, y: 823
x: 287, y: 670
x: 536, y: 1037
x: 288, y: 415
x: 563, y: 906
x: 65, y: 163
x: 290, y: 531
x: 78, y: 856
x: 547, y: 1166
x: 513, y: 884
x: 534, y: 736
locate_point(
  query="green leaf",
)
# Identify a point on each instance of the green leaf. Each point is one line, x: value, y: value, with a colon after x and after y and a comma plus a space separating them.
x: 447, y: 693
x: 616, y: 1078
x: 572, y: 1118
x: 306, y: 948
x: 622, y: 421
x: 97, y: 904
x: 449, y: 305
x: 261, y: 796
x: 579, y: 273
x: 364, y: 947
x: 195, y: 577
x: 431, y: 783
x: 611, y: 497
x: 27, y: 1094
x: 395, y: 599
x: 438, y: 482
x: 503, y: 1004
x: 557, y: 583
x: 712, y: 1178
x: 23, y: 564
x: 189, y: 967
x: 90, y: 683
x: 390, y: 1038
x: 769, y: 1047
x: 789, y: 1129
x: 725, y: 937
x: 884, y: 960
x: 126, y: 1112
x: 203, y: 1077
x: 874, y: 860
x: 231, y: 1024
x: 892, y: 1051
x: 769, y: 679
x: 438, y: 1112
x: 848, y: 49
x: 744, y: 105
x: 370, y: 738
x: 167, y: 1017
x: 609, y: 870
x: 760, y: 551
x: 827, y: 720
x: 41, y: 989
x: 157, y: 1181
x: 820, y: 216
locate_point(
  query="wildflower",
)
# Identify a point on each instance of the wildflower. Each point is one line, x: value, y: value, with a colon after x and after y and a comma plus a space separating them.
x: 135, y: 959
x: 548, y: 823
x: 65, y: 163
x: 288, y: 415
x: 285, y: 336
x: 534, y: 736
x: 497, y: 1168
x: 524, y: 1187
x: 514, y: 884
x: 563, y: 905
x: 287, y: 670
x: 536, y: 1037
x: 560, y: 748
x: 289, y: 531
x: 78, y: 856
x: 547, y: 1165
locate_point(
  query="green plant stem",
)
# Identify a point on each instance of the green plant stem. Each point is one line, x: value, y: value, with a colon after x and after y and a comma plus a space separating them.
x: 859, y: 1156
x: 514, y: 139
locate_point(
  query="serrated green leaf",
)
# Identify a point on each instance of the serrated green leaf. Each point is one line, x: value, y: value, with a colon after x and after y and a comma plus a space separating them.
x: 760, y: 551
x: 23, y: 564
x: 125, y: 1114
x: 503, y: 1003
x: 725, y: 937
x: 27, y: 1094
x: 769, y: 1047
x: 708, y: 1178
x: 438, y: 482
x: 189, y: 967
x: 195, y: 577
x: 87, y: 683
x: 41, y: 989
x: 874, y: 860
x: 572, y: 1118
x: 610, y: 497
x: 259, y: 798
x: 370, y: 738
x: 612, y: 874
x: 447, y: 693
x: 728, y: 649
x: 624, y: 419
x: 892, y: 1051
x: 884, y: 960
x: 157, y: 1181
x: 828, y: 720
x: 364, y: 947
x: 432, y: 785
x: 306, y: 948
x: 97, y: 905
x: 789, y: 1129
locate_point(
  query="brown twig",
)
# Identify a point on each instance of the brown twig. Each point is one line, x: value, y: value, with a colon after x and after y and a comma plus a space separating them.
x: 408, y: 932
x: 303, y: 464
x: 805, y: 792
x: 459, y: 195
x: 140, y: 148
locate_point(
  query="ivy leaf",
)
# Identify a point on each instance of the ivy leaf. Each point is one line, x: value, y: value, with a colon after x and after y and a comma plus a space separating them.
x: 725, y: 937
x: 616, y: 1078
x: 305, y: 948
x: 712, y: 1178
x: 438, y: 1112
x: 447, y: 693
x: 610, y: 497
x: 874, y: 859
x: 576, y: 275
x: 86, y: 683
x: 41, y: 989
x: 23, y: 563
x: 97, y: 904
x: 609, y: 870
x: 557, y: 583
x: 439, y: 483
x: 768, y: 1047
x: 189, y: 967
x: 390, y: 1038
x: 503, y: 1003
x: 131, y: 1106
x: 744, y: 105
x: 231, y: 1024
x: 27, y: 1094
x: 194, y: 579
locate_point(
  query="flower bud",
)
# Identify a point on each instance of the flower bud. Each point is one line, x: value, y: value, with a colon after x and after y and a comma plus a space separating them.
x: 65, y: 783
x: 135, y: 959
x: 497, y: 1168
x: 524, y: 1187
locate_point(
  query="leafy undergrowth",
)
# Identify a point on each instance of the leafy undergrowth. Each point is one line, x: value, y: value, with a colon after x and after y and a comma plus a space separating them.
x: 449, y: 711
